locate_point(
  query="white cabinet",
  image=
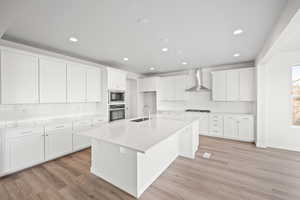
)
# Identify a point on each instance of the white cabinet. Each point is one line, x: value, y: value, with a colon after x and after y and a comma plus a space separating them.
x: 172, y: 88
x: 79, y: 141
x: 166, y: 89
x: 53, y: 82
x: 23, y: 148
x: 231, y: 126
x: 93, y: 85
x: 219, y: 86
x: 76, y: 83
x: 180, y: 87
x: 116, y: 79
x: 239, y: 127
x: 19, y: 78
x: 148, y: 84
x: 204, y: 124
x: 58, y: 140
x: 216, y: 125
x: 246, y: 84
x: 232, y: 85
x: 246, y: 128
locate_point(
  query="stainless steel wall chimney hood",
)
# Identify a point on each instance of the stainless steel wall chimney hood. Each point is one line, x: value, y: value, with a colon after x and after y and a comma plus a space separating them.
x: 198, y: 74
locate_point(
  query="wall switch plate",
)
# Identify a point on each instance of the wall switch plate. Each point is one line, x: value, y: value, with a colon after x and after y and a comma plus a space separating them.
x: 206, y: 155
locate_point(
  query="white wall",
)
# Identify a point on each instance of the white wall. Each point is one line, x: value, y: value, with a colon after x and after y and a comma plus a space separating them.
x: 202, y: 100
x: 276, y: 107
x: 289, y: 11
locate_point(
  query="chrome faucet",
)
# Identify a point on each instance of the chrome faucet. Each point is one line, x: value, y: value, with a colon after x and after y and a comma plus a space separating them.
x: 147, y: 109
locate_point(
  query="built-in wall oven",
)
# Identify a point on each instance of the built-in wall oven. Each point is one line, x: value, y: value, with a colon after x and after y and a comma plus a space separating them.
x: 116, y: 97
x: 116, y: 112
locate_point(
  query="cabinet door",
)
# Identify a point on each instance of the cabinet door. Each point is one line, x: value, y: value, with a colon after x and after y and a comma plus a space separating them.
x: 167, y: 89
x: 232, y: 85
x: 219, y: 86
x: 93, y: 86
x: 58, y: 143
x: 80, y: 142
x: 121, y: 81
x: 148, y: 84
x: 116, y: 79
x: 24, y: 151
x: 247, y: 84
x: 53, y: 81
x: 19, y: 75
x: 76, y: 83
x: 204, y: 124
x: 180, y: 86
x: 230, y: 126
x: 245, y: 128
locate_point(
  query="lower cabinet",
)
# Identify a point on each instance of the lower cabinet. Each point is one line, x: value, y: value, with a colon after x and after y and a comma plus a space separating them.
x: 231, y: 126
x: 58, y: 141
x: 239, y: 127
x: 79, y: 141
x: 215, y: 125
x: 23, y: 148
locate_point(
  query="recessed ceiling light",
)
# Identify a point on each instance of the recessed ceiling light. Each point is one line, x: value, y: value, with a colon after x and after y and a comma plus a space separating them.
x: 125, y: 59
x: 164, y: 49
x: 73, y: 39
x: 184, y: 63
x: 143, y: 20
x: 238, y: 32
x: 236, y: 55
x: 152, y: 68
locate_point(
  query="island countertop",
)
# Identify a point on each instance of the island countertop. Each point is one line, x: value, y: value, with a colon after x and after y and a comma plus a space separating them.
x: 138, y: 136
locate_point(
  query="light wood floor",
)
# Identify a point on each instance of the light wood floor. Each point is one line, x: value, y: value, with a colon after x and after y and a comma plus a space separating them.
x: 236, y: 171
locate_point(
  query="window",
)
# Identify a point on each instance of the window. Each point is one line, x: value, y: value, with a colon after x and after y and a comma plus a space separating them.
x: 296, y: 95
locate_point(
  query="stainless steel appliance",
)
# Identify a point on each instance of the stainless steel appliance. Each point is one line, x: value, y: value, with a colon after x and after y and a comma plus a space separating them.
x: 116, y: 112
x: 116, y: 97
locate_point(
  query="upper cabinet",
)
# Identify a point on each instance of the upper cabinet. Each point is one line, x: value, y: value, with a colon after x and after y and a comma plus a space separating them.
x: 172, y: 88
x: 93, y: 84
x: 19, y: 77
x: 233, y: 85
x: 149, y: 84
x: 219, y: 85
x: 53, y: 83
x: 29, y: 78
x: 247, y: 84
x: 116, y: 79
x: 76, y: 81
x: 83, y: 83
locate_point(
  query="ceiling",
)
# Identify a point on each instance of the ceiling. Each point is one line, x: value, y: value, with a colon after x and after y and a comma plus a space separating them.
x: 194, y: 31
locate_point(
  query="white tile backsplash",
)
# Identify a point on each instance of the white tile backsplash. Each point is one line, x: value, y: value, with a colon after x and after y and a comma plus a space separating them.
x: 16, y: 112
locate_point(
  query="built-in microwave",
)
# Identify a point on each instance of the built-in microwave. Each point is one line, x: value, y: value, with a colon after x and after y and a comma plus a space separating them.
x: 116, y: 96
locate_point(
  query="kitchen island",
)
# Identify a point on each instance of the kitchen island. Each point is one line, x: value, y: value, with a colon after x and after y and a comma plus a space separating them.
x: 131, y: 155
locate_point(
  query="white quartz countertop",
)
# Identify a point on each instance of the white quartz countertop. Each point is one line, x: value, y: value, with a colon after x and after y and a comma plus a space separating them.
x: 138, y: 136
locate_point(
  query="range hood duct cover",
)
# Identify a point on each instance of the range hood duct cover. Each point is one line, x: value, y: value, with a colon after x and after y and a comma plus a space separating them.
x: 199, y: 83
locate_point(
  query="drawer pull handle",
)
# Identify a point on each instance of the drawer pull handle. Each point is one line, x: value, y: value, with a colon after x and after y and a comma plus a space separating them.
x: 26, y: 132
x: 60, y: 126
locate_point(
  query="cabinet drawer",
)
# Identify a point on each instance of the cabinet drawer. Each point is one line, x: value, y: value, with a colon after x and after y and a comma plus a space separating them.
x: 57, y: 127
x: 216, y: 132
x: 19, y: 132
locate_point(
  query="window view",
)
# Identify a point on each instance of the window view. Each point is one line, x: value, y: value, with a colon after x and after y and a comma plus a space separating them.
x: 296, y: 94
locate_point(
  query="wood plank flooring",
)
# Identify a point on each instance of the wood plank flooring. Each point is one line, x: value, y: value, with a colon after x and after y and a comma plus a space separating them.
x: 236, y: 171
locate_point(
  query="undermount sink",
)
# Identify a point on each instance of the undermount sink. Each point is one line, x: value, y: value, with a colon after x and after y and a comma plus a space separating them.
x: 140, y: 119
